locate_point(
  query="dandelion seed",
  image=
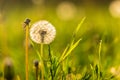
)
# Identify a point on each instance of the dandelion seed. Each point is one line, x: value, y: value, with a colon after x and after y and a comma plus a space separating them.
x: 42, y: 32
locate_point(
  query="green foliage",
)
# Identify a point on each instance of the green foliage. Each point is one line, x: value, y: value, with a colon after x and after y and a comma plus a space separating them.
x: 64, y: 59
x: 55, y: 63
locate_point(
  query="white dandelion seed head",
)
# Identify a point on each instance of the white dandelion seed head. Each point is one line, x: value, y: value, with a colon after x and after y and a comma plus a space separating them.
x: 42, y: 32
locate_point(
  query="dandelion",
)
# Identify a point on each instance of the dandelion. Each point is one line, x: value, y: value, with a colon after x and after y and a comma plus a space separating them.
x: 42, y: 32
x: 8, y: 69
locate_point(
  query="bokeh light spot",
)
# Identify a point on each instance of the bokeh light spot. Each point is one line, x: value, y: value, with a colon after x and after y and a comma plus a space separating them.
x: 66, y: 10
x: 114, y: 8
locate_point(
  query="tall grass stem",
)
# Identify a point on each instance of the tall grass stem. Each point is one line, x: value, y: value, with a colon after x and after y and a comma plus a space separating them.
x: 99, y: 63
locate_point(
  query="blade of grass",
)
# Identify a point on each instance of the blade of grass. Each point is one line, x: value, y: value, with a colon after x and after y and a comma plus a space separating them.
x: 72, y: 45
x: 100, y: 45
x: 64, y: 52
x: 76, y: 31
x: 72, y: 48
x: 18, y: 77
x: 78, y: 27
x: 73, y: 38
x: 35, y: 49
x: 93, y: 74
x: 99, y: 63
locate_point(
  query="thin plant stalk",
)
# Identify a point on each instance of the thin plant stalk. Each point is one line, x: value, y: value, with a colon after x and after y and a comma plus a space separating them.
x: 36, y: 64
x: 26, y: 51
x: 26, y: 26
x: 42, y: 65
x: 36, y: 73
x: 35, y: 49
x: 72, y: 45
x: 92, y: 72
x: 18, y: 77
x: 41, y: 50
x: 99, y: 64
x: 50, y: 57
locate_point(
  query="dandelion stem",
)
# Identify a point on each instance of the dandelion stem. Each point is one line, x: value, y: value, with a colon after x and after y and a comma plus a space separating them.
x: 36, y: 73
x: 26, y: 26
x: 42, y: 65
x: 36, y: 64
x: 26, y: 49
x: 41, y: 50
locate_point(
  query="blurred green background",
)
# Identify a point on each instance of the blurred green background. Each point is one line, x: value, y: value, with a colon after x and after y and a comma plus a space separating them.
x: 102, y: 23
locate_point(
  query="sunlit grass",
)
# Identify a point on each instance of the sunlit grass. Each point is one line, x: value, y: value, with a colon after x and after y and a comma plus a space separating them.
x: 99, y: 25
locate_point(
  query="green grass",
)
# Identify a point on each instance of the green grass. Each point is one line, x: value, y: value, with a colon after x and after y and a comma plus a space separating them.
x: 51, y: 72
x: 76, y: 52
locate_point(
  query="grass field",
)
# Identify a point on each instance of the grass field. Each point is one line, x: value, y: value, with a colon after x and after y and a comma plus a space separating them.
x: 92, y: 54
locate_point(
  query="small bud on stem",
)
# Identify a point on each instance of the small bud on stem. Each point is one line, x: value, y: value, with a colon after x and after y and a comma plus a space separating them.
x: 36, y: 64
x: 27, y: 21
